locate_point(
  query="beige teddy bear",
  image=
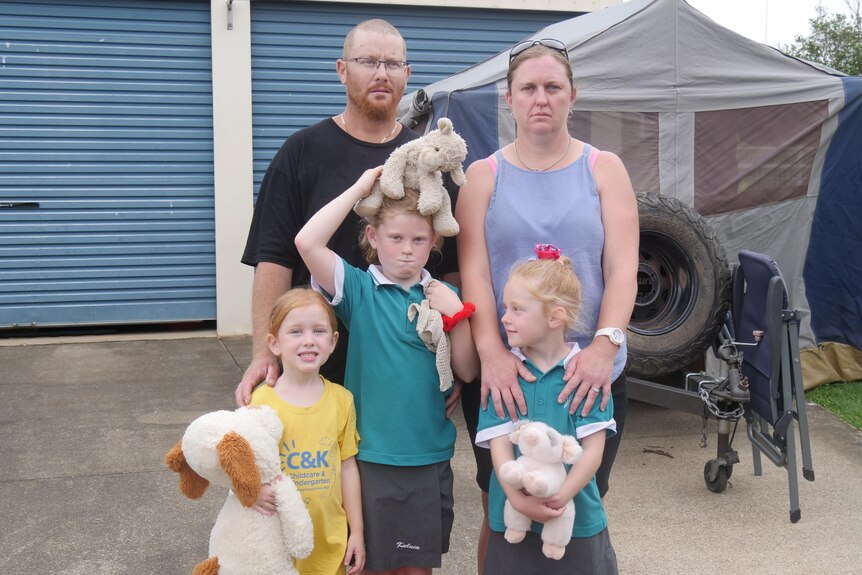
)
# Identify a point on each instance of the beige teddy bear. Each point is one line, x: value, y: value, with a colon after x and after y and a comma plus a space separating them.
x: 419, y: 165
x: 540, y: 472
x: 239, y: 450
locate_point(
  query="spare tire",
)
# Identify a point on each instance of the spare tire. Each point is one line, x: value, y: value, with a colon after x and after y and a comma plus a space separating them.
x: 683, y: 288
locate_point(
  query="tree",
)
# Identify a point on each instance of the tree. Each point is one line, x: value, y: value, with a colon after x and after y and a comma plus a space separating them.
x: 835, y: 40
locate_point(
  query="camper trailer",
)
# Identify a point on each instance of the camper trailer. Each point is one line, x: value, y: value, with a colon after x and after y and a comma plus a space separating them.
x: 733, y: 147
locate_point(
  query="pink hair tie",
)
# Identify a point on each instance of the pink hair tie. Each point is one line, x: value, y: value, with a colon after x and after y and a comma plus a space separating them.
x: 547, y: 252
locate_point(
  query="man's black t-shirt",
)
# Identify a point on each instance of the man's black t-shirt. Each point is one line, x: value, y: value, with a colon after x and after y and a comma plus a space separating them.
x: 313, y: 166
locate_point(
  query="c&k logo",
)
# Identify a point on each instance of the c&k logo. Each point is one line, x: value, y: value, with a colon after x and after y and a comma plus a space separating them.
x: 307, y: 460
x: 304, y: 459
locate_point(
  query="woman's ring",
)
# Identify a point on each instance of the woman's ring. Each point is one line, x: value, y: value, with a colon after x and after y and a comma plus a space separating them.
x: 596, y: 389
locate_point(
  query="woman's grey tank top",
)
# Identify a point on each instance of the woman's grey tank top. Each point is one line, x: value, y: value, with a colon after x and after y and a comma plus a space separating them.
x: 559, y: 207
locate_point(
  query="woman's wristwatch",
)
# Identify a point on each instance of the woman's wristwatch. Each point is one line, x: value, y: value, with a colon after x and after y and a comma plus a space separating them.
x: 614, y: 334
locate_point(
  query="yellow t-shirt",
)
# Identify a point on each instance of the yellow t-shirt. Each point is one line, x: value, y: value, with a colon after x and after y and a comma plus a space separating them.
x: 316, y: 440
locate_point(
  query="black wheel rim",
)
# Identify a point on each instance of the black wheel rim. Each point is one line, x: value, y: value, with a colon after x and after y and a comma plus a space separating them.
x: 666, y: 286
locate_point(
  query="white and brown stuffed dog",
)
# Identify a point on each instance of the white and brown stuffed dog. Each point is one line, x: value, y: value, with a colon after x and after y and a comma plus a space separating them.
x: 419, y: 165
x: 540, y: 471
x: 239, y: 450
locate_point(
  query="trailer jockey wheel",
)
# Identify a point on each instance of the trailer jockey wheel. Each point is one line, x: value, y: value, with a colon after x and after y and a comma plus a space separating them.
x: 683, y: 288
x: 716, y: 475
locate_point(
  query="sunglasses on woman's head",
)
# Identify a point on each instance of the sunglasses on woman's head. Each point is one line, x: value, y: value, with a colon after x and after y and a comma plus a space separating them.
x: 551, y: 43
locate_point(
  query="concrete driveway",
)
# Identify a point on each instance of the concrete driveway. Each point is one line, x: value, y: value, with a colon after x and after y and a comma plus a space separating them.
x: 85, y: 423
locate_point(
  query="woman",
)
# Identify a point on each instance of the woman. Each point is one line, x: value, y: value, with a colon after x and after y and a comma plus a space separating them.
x: 547, y: 187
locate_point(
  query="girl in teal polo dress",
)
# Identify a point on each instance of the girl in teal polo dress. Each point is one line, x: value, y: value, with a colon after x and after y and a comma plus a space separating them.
x: 407, y: 438
x: 542, y: 298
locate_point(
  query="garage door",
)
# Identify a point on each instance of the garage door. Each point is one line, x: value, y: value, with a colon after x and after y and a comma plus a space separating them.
x: 106, y: 162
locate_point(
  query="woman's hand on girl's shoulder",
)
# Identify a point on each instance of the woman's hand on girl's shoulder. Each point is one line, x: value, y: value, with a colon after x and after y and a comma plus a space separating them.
x: 499, y: 375
x: 589, y: 370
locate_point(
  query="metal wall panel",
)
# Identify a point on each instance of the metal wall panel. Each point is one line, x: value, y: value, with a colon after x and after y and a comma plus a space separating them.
x: 106, y: 126
x: 295, y: 45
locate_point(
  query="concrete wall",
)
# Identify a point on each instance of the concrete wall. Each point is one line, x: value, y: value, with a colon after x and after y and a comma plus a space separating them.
x: 232, y: 134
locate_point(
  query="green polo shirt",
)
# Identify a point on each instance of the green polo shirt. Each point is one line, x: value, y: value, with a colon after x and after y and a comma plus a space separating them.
x: 400, y: 410
x: 541, y: 397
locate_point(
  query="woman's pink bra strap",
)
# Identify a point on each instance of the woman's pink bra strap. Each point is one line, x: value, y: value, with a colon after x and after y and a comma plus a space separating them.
x: 594, y: 155
x: 492, y: 161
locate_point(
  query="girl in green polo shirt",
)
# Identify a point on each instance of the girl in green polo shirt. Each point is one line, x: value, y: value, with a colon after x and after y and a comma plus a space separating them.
x: 407, y: 437
x: 542, y: 299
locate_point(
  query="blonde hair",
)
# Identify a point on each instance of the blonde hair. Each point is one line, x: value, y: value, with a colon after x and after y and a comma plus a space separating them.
x: 553, y: 283
x: 295, y: 299
x: 538, y: 51
x: 408, y: 205
x: 374, y: 26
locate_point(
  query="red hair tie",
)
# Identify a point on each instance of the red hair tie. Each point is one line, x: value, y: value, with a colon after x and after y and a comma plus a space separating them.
x: 547, y: 252
x: 465, y: 313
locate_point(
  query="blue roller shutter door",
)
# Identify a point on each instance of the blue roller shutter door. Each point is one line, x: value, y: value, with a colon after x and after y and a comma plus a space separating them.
x: 106, y: 162
x: 295, y: 45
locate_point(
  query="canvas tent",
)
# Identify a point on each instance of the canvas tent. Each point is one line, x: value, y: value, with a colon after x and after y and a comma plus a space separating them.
x: 766, y: 147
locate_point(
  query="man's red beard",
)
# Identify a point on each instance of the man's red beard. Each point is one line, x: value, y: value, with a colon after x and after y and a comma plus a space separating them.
x: 373, y: 111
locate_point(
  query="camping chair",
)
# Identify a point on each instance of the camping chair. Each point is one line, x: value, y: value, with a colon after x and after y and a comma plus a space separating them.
x: 772, y: 367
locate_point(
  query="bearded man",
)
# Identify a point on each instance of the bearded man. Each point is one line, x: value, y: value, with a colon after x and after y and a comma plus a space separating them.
x: 312, y: 167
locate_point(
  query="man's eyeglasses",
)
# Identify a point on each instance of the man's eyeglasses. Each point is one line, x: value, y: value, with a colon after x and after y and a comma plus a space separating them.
x: 373, y: 64
x: 551, y: 43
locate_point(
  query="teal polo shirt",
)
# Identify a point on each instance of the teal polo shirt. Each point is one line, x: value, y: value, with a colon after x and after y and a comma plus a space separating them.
x: 400, y: 410
x: 541, y: 397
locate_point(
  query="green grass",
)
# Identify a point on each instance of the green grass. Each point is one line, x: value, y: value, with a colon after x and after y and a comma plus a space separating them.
x: 844, y: 399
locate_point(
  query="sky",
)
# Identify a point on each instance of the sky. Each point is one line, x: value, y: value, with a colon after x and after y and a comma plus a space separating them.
x: 771, y: 22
